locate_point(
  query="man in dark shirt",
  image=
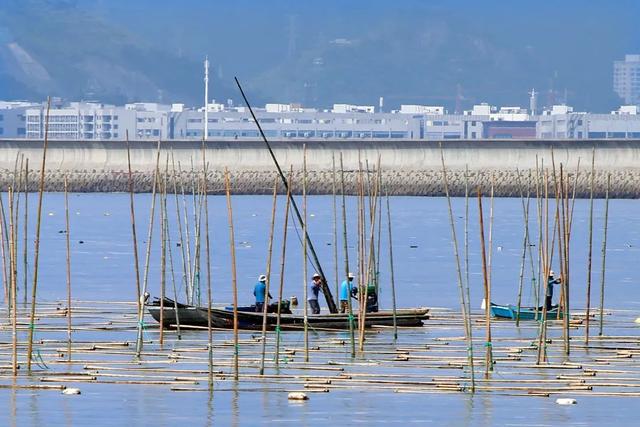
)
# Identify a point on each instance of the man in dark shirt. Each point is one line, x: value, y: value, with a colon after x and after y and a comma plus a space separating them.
x: 551, y: 280
x: 314, y: 289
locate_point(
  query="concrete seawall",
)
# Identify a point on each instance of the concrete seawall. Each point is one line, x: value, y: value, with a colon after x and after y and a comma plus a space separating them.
x: 408, y: 167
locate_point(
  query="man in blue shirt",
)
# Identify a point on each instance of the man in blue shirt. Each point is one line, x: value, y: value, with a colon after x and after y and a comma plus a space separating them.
x: 259, y: 290
x: 314, y: 289
x: 549, y: 295
x: 347, y: 289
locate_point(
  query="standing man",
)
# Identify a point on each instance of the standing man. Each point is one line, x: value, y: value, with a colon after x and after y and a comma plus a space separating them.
x: 347, y: 290
x: 551, y: 280
x: 258, y: 291
x: 314, y: 289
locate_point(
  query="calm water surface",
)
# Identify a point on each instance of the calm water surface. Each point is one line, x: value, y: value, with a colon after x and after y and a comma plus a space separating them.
x: 425, y: 276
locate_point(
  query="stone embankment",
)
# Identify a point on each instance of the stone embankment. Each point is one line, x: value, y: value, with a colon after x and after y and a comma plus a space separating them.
x: 407, y: 167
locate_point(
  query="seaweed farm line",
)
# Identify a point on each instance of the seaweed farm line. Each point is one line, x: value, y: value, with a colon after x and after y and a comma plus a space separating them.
x: 423, y: 376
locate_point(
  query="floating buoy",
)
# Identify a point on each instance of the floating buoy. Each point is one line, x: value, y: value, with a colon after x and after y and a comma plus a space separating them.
x: 297, y: 395
x: 107, y: 214
x: 50, y: 213
x: 566, y: 401
x: 637, y: 320
x: 499, y: 248
x: 71, y: 390
x: 483, y: 305
x: 312, y: 215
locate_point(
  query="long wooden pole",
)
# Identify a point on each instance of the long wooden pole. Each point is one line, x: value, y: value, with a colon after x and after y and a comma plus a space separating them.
x: 304, y: 254
x: 25, y: 242
x: 265, y: 306
x: 325, y: 287
x: 392, y: 276
x: 282, y: 265
x: 205, y: 189
x: 185, y: 279
x: 488, y: 358
x: 346, y: 260
x: 454, y: 242
x: 34, y: 288
x: 525, y: 244
x: 604, y: 253
x: 14, y: 289
x: 68, y: 246
x: 145, y: 280
x: 234, y: 282
x: 335, y: 228
x: 590, y: 255
x: 134, y: 236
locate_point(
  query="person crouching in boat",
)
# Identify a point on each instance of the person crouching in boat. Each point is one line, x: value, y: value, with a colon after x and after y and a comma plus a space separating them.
x: 314, y: 289
x: 549, y: 295
x: 258, y: 291
x: 347, y: 290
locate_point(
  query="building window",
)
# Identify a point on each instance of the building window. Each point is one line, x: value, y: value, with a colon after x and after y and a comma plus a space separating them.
x: 1, y: 117
x: 22, y: 131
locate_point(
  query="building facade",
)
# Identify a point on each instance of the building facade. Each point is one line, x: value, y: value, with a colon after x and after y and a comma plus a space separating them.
x: 626, y: 79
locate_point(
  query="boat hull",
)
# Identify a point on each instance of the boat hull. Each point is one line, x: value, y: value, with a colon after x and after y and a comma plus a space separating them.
x: 526, y: 313
x: 220, y: 318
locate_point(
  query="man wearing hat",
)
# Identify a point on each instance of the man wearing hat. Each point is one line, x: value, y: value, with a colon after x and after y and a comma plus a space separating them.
x: 347, y: 289
x: 314, y: 289
x: 551, y: 280
x: 259, y: 290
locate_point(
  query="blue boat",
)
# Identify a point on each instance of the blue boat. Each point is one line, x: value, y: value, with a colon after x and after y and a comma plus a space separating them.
x: 526, y: 313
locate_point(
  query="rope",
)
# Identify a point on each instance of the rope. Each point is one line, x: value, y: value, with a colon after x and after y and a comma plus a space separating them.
x: 37, y: 357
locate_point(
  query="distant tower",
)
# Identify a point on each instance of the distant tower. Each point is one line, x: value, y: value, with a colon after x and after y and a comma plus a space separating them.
x: 381, y: 103
x: 206, y: 98
x: 459, y: 98
x: 533, y: 102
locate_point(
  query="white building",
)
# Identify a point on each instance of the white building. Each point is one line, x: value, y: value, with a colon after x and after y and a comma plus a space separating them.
x: 626, y: 79
x: 13, y: 118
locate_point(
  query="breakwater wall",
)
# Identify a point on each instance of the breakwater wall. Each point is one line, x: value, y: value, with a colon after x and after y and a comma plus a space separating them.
x: 407, y: 167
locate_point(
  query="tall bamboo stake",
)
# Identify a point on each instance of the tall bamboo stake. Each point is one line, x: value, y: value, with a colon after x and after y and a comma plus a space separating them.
x: 371, y: 261
x: 68, y: 241
x: 187, y: 238
x: 392, y: 277
x: 454, y: 241
x: 282, y: 264
x: 266, y: 291
x: 174, y: 180
x: 6, y: 279
x: 205, y: 186
x: 604, y: 252
x: 335, y: 228
x: 488, y: 358
x: 234, y: 282
x: 145, y: 282
x: 25, y: 242
x: 34, y: 288
x: 346, y: 260
x: 163, y: 252
x: 590, y: 255
x: 304, y: 253
x: 525, y: 244
x: 173, y: 278
x: 134, y: 236
x: 14, y: 289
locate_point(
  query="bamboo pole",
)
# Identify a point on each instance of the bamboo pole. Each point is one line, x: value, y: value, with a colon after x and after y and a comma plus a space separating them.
x: 32, y: 317
x: 163, y: 251
x: 68, y: 247
x: 488, y: 358
x: 304, y: 253
x: 454, y: 241
x: 134, y: 236
x: 25, y: 230
x: 525, y: 244
x: 6, y: 279
x: 187, y: 238
x: 205, y: 186
x: 266, y: 291
x: 14, y: 290
x: 282, y: 265
x: 604, y: 253
x: 346, y: 260
x: 335, y: 229
x: 590, y: 254
x: 174, y: 180
x: 173, y: 280
x: 392, y: 277
x: 145, y: 281
x: 234, y: 282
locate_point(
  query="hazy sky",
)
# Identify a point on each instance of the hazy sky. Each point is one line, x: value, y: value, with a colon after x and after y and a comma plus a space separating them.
x: 318, y: 53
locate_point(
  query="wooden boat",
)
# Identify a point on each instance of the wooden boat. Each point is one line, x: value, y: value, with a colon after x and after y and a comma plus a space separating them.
x: 223, y: 318
x: 526, y: 313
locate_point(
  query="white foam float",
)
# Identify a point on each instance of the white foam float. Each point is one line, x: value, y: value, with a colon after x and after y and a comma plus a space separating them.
x: 637, y: 320
x: 566, y: 401
x: 297, y: 395
x: 71, y: 390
